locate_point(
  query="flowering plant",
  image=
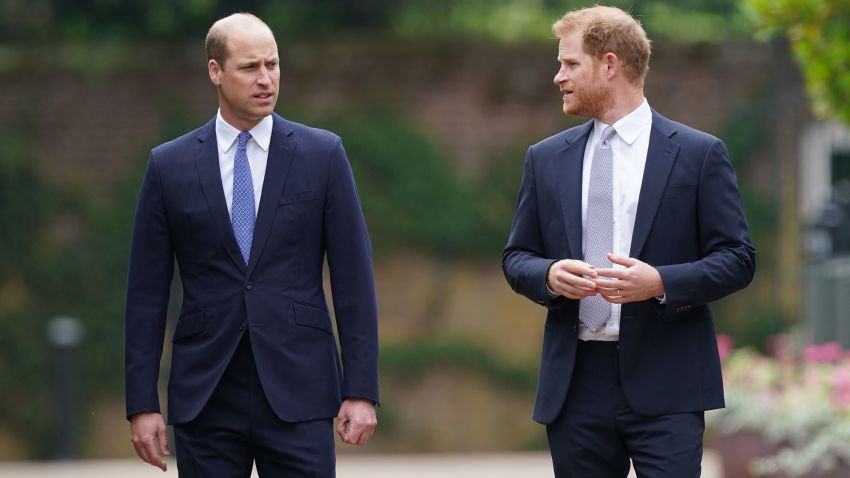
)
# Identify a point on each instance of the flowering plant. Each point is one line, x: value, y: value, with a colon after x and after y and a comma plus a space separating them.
x: 797, y: 400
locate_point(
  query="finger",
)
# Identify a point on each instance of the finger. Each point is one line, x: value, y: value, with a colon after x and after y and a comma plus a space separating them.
x: 341, y: 427
x: 367, y: 435
x: 361, y: 433
x: 140, y: 450
x: 361, y: 426
x: 575, y: 292
x: 575, y: 281
x: 350, y: 437
x: 611, y: 273
x: 622, y: 260
x: 566, y: 288
x: 576, y: 268
x: 146, y: 449
x: 153, y: 456
x: 162, y: 438
x: 609, y: 284
x: 619, y: 300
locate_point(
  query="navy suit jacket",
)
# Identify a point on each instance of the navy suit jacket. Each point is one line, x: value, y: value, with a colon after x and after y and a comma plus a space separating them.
x: 308, y: 209
x: 690, y: 225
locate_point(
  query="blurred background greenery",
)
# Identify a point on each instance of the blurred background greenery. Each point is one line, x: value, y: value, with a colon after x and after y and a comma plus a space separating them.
x: 436, y: 101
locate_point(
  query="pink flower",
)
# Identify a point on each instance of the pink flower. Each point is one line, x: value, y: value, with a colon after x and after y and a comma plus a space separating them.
x: 724, y: 346
x: 828, y: 352
x: 841, y: 380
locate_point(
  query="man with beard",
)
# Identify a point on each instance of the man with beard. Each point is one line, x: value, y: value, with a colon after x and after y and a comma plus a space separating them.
x: 250, y: 205
x: 626, y: 228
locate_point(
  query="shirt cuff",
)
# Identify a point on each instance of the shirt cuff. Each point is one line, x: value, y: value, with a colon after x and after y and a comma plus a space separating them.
x: 551, y: 293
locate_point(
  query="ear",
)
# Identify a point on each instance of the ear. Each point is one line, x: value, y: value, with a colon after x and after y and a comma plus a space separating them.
x: 612, y: 64
x: 215, y: 72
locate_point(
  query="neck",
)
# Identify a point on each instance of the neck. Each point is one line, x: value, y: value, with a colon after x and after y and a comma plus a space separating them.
x: 626, y: 100
x: 242, y: 123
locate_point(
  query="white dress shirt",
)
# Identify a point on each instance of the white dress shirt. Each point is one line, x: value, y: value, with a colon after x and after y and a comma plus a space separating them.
x: 258, y: 156
x: 629, y: 146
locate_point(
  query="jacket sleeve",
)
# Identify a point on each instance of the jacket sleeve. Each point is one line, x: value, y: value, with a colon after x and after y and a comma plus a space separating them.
x: 148, y: 285
x: 728, y: 257
x: 524, y: 261
x: 349, y: 255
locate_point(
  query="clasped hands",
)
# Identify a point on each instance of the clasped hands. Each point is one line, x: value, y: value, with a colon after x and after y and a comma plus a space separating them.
x: 635, y: 281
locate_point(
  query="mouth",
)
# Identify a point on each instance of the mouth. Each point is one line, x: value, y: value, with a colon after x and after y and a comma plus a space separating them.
x: 566, y: 93
x: 264, y: 97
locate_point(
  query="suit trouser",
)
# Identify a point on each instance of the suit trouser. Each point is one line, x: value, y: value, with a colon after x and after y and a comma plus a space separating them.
x: 237, y: 427
x: 597, y: 432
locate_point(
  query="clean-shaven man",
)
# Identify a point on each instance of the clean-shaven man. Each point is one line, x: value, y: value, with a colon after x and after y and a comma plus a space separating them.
x: 249, y: 205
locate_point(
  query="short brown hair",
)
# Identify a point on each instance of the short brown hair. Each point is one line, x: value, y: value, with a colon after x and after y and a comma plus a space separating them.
x: 609, y: 29
x: 216, y: 42
x: 217, y: 45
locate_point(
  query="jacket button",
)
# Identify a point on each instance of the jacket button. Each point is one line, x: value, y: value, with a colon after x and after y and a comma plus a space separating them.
x: 242, y: 326
x: 249, y: 286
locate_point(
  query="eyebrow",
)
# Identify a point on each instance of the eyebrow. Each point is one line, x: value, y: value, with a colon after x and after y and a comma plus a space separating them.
x: 258, y: 61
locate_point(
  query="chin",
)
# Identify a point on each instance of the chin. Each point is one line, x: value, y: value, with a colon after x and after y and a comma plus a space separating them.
x: 263, y: 112
x: 572, y: 111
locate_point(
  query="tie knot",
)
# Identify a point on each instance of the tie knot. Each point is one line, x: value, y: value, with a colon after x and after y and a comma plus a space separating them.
x: 244, y: 136
x: 607, y: 133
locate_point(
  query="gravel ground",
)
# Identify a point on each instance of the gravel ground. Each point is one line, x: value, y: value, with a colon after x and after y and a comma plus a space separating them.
x: 485, y: 465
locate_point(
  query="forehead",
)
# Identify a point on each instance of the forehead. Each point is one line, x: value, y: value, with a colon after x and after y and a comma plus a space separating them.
x: 252, y: 42
x: 571, y: 46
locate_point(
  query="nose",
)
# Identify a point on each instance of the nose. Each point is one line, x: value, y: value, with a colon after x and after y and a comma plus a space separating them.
x: 265, y: 76
x: 560, y: 76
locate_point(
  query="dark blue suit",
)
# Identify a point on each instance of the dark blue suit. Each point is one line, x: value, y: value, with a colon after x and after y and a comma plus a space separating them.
x: 308, y: 209
x: 689, y: 224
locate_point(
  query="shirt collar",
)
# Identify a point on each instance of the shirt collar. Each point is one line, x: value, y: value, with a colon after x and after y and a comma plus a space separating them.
x: 226, y: 134
x: 629, y: 127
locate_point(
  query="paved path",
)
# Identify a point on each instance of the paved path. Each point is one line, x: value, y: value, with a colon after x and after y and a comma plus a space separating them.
x: 478, y: 465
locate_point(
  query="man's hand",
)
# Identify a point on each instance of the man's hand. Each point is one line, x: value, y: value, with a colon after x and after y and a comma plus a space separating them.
x: 147, y: 430
x: 356, y: 421
x: 637, y: 281
x: 565, y: 278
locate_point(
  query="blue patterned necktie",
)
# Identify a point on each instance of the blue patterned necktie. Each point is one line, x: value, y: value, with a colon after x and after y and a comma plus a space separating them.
x: 594, y: 311
x: 243, y: 213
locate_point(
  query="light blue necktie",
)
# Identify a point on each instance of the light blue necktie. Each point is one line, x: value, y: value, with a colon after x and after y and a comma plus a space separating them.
x: 243, y: 214
x: 594, y: 311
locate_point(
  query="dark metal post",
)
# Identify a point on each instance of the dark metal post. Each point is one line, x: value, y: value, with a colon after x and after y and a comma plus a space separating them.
x: 65, y: 335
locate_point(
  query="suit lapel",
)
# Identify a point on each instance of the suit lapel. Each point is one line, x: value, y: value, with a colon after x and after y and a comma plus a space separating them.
x: 206, y: 159
x: 568, y: 179
x: 659, y: 161
x: 281, y: 149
